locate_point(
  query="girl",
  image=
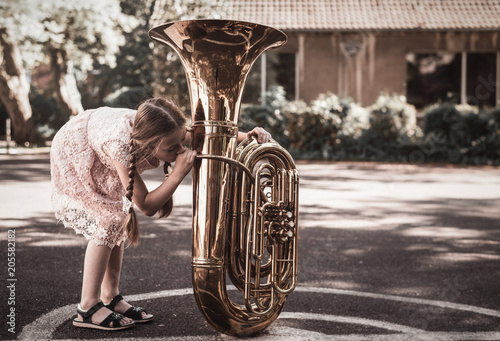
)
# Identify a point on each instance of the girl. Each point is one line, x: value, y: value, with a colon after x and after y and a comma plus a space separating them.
x: 96, y: 162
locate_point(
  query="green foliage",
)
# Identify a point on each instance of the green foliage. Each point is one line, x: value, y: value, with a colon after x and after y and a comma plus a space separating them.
x: 169, y: 76
x: 118, y: 65
x: 392, y: 119
x: 131, y: 81
x: 47, y: 114
x: 85, y: 30
x: 269, y: 115
x: 4, y: 115
x: 316, y: 128
x: 333, y: 128
x: 127, y: 97
x: 462, y: 134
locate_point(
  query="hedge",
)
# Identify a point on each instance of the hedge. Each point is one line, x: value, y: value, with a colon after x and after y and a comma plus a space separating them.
x: 333, y: 128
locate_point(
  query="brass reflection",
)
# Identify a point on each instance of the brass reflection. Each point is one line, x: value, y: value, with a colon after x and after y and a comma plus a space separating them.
x: 245, y: 198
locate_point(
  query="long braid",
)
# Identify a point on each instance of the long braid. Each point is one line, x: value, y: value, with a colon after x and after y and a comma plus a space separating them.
x: 166, y: 209
x: 131, y: 223
x: 156, y: 118
x: 131, y: 171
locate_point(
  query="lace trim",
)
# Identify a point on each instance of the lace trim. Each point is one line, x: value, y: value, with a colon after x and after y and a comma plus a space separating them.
x: 84, y: 224
x: 86, y: 189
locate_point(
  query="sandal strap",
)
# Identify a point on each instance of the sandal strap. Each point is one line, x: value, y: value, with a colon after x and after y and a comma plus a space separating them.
x: 134, y: 313
x: 114, y: 301
x: 112, y: 320
x: 87, y: 315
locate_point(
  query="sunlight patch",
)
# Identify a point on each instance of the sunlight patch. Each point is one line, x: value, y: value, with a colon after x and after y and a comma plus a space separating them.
x: 465, y: 257
x: 442, y: 232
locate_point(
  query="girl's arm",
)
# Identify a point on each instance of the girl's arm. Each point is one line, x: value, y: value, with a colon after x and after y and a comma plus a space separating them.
x: 262, y: 135
x: 150, y: 202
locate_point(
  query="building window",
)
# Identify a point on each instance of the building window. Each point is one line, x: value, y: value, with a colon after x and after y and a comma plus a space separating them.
x: 481, y: 79
x: 451, y: 77
x: 277, y: 69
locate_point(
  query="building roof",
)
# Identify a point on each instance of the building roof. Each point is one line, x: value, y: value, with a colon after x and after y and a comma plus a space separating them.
x: 347, y: 15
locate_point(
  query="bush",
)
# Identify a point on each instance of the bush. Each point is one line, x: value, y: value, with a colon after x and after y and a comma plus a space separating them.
x: 319, y: 130
x: 333, y: 128
x: 48, y: 116
x: 390, y: 133
x: 442, y: 121
x: 268, y: 115
x: 392, y: 119
x: 314, y: 129
x: 462, y: 134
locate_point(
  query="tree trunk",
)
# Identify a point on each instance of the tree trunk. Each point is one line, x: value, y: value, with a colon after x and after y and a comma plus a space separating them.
x: 68, y: 96
x: 14, y: 91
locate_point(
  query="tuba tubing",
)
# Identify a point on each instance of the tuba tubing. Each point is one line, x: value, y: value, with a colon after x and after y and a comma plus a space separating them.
x: 245, y: 206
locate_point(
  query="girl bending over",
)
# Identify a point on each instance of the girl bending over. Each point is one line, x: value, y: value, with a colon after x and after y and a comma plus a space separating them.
x: 96, y: 162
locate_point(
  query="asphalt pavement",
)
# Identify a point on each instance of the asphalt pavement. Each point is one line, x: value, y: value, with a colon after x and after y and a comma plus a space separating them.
x: 386, y: 252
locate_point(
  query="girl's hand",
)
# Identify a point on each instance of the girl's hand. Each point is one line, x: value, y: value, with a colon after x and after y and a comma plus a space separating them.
x: 262, y: 135
x: 189, y: 136
x: 184, y: 161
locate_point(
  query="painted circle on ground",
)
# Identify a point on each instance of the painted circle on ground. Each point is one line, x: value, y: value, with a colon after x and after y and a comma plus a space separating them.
x: 44, y: 327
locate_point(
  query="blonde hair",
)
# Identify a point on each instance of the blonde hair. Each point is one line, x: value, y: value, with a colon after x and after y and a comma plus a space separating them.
x: 155, y: 118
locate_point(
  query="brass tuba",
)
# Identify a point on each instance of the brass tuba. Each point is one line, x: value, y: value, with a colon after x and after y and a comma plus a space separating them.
x: 245, y: 197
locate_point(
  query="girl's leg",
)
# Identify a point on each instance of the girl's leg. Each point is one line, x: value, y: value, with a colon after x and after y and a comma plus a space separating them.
x: 111, y: 282
x: 96, y: 261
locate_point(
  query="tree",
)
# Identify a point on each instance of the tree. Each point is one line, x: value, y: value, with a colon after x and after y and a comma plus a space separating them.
x: 144, y: 68
x: 170, y: 79
x: 80, y: 34
x: 14, y: 89
x: 130, y: 81
x: 17, y: 18
x: 67, y: 35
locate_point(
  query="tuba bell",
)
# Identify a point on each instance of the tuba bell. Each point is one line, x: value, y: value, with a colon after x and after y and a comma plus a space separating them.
x: 245, y: 197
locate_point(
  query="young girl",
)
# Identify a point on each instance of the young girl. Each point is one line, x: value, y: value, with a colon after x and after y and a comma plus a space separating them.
x: 96, y: 162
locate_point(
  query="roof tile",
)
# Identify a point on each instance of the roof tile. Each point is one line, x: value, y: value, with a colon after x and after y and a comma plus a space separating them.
x: 367, y: 14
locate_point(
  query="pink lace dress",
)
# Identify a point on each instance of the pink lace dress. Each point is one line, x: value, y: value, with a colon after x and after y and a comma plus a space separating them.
x: 87, y: 194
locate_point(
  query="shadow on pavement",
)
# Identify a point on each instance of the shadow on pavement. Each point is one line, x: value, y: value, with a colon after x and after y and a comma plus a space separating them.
x: 416, y: 232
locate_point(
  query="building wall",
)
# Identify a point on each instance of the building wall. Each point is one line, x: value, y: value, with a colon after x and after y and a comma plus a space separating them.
x: 321, y: 65
x: 317, y: 59
x: 362, y: 65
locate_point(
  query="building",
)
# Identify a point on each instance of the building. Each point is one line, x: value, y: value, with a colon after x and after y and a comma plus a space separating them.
x: 428, y: 50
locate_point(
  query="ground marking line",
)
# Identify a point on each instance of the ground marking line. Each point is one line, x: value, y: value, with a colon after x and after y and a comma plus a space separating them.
x: 289, y: 334
x: 441, y: 304
x: 43, y: 327
x: 351, y: 320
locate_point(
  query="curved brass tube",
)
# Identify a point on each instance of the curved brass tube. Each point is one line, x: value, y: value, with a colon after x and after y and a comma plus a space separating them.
x: 245, y: 207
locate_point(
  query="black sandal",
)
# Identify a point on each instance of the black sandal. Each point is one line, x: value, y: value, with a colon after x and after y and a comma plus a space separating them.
x: 133, y: 312
x: 111, y: 322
